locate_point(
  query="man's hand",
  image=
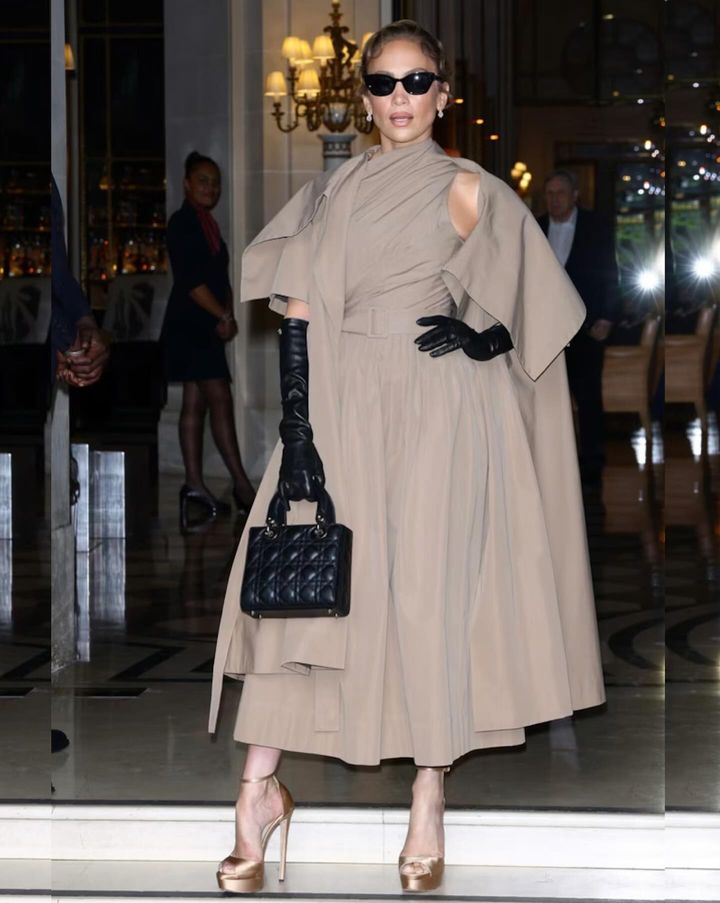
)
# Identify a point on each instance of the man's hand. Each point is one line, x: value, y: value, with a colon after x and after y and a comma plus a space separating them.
x: 82, y: 364
x: 63, y: 373
x: 600, y: 330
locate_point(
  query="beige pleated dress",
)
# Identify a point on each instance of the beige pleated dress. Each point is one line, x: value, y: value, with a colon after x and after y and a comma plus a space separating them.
x: 429, y: 452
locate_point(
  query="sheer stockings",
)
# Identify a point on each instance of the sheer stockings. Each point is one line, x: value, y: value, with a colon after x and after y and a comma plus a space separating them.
x: 211, y: 395
x: 190, y: 429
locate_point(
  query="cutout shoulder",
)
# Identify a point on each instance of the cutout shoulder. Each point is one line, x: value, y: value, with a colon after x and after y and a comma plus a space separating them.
x: 463, y: 202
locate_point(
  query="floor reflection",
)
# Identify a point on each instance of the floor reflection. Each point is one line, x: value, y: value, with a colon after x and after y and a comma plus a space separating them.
x: 24, y: 665
x: 693, y: 616
x: 6, y: 570
x: 100, y: 591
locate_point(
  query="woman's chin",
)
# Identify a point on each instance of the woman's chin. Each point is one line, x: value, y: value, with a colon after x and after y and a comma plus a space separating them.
x: 409, y: 133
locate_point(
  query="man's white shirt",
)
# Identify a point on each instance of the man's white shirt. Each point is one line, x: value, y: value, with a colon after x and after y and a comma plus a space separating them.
x: 561, y: 235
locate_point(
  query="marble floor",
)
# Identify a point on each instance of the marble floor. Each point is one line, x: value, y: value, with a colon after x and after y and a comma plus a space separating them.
x: 373, y: 882
x: 134, y: 704
x: 347, y: 882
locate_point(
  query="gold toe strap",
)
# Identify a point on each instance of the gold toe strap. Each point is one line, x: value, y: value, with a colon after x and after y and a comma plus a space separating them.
x: 426, y: 862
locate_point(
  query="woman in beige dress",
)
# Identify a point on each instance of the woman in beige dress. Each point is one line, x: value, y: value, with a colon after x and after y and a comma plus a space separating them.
x: 423, y: 383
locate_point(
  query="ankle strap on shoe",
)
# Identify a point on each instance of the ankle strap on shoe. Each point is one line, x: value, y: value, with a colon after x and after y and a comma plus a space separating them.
x: 443, y: 768
x: 257, y: 780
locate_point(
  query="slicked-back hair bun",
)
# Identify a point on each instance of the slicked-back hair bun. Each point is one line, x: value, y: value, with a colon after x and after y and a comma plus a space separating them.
x: 408, y: 30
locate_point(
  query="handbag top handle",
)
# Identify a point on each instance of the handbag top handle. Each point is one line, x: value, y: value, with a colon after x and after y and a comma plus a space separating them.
x: 279, y: 507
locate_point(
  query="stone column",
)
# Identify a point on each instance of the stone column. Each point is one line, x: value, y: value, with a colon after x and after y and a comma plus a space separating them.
x: 336, y: 149
x: 254, y: 378
x: 62, y: 541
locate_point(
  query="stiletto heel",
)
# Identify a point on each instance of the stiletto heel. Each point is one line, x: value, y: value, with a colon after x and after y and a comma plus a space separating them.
x: 433, y: 866
x: 248, y: 875
x: 284, y: 829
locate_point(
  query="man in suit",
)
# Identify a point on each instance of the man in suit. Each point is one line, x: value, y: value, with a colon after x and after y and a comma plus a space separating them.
x: 79, y: 353
x: 584, y: 244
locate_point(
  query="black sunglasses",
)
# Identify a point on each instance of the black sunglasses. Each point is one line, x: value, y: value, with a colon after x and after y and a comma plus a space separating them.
x: 413, y: 83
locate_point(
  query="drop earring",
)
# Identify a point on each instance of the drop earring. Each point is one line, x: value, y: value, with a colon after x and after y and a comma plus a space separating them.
x: 440, y: 114
x: 369, y: 117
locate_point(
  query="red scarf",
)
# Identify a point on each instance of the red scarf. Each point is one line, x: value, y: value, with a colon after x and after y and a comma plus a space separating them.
x: 210, y: 228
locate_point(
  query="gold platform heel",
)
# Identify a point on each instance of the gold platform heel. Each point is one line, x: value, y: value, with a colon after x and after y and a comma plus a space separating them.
x: 433, y: 866
x: 248, y: 875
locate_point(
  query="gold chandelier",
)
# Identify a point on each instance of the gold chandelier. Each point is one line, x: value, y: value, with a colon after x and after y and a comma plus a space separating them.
x: 323, y: 81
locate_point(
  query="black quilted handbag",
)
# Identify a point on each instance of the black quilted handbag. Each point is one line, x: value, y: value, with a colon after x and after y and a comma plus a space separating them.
x: 298, y: 571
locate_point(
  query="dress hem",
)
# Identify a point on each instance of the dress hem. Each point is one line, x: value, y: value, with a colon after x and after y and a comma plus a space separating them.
x: 373, y: 761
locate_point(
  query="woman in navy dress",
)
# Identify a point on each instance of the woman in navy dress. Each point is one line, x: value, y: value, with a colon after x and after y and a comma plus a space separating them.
x: 198, y: 322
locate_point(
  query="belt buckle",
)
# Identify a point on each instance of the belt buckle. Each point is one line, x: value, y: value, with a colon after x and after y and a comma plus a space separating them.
x: 373, y: 332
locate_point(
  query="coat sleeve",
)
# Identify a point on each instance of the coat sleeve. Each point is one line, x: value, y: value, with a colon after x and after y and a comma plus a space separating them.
x: 507, y: 267
x: 276, y: 263
x: 69, y: 304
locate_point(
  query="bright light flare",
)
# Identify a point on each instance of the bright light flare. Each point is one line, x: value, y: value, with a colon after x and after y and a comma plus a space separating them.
x: 703, y: 267
x: 648, y: 280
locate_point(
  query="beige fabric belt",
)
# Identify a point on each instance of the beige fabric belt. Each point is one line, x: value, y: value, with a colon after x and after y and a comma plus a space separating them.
x: 379, y: 322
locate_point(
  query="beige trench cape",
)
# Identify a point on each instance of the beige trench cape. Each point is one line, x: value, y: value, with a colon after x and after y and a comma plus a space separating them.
x: 533, y: 638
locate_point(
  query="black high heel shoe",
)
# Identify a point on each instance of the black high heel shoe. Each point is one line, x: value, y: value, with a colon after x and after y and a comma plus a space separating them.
x: 213, y: 507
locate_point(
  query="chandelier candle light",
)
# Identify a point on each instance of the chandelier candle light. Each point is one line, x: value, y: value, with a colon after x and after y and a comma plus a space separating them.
x: 323, y: 84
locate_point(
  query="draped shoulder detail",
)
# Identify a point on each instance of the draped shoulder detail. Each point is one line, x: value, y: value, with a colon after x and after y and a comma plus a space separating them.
x: 508, y: 268
x: 262, y: 257
x: 264, y: 271
x: 292, y: 277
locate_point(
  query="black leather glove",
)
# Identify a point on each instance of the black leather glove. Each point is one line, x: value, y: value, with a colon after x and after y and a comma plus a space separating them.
x: 301, y: 470
x: 450, y: 334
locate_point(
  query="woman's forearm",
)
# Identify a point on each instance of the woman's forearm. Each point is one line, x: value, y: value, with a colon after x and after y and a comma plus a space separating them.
x: 204, y: 298
x: 299, y: 310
